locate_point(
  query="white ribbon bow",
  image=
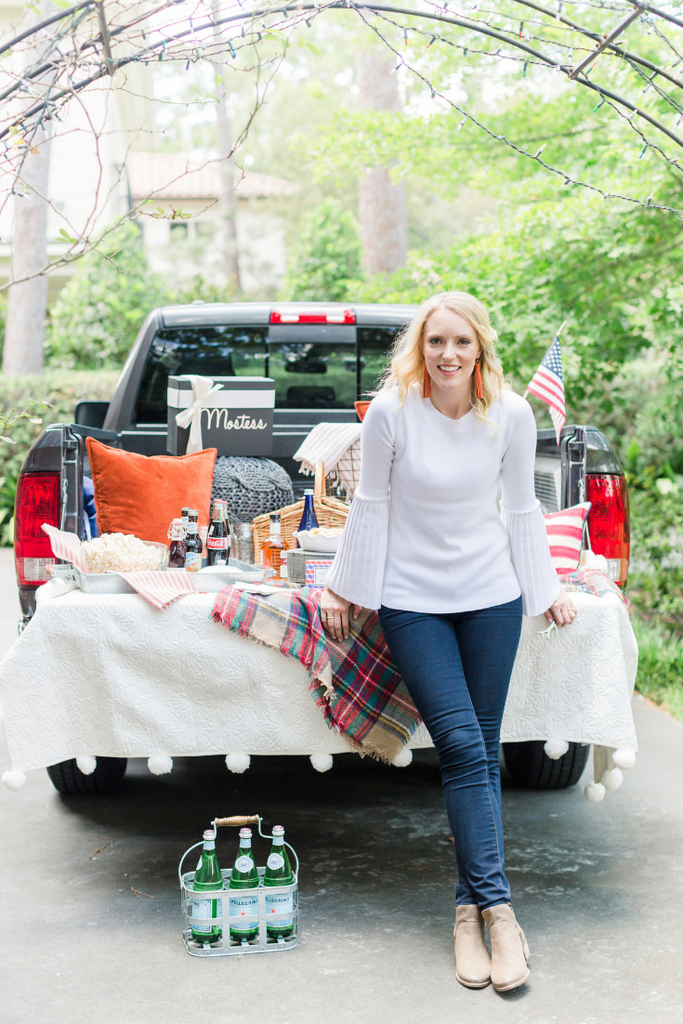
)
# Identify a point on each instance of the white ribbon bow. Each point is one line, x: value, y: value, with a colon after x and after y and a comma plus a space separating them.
x: 202, y: 389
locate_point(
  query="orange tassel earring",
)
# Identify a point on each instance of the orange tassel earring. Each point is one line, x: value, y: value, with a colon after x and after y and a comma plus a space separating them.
x: 426, y: 384
x: 478, y: 382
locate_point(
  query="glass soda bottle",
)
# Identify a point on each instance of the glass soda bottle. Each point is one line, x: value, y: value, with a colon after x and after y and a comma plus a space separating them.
x: 207, y: 879
x: 271, y: 551
x: 193, y: 543
x: 244, y: 876
x: 279, y: 872
x: 176, y: 551
x: 309, y: 519
x: 218, y: 537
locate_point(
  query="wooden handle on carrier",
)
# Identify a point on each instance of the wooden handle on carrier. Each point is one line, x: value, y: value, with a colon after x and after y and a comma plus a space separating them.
x: 239, y: 819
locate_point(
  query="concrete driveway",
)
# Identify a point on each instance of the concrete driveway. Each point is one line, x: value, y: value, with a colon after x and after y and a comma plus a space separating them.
x: 598, y: 888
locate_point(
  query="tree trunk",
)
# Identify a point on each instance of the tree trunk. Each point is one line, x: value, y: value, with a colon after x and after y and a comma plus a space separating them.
x: 27, y: 300
x: 382, y: 204
x: 227, y: 203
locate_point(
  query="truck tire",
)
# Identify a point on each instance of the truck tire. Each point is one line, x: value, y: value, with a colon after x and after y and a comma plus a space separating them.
x: 531, y: 768
x: 68, y: 778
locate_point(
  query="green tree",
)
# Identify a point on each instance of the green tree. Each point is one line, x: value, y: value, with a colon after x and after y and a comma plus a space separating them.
x: 326, y: 262
x: 99, y: 312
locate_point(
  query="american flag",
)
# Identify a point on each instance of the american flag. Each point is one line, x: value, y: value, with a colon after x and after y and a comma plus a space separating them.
x: 548, y: 384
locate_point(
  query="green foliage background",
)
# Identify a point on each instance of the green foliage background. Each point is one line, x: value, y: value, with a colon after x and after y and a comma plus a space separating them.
x: 325, y: 265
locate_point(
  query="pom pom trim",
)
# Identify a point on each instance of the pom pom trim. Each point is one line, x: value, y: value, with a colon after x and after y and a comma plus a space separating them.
x: 594, y: 792
x: 13, y: 780
x: 555, y: 748
x: 86, y: 764
x: 403, y: 758
x: 160, y: 764
x: 237, y: 762
x: 322, y: 762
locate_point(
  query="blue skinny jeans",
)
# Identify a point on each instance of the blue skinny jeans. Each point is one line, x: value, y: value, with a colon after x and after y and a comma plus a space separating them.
x: 457, y: 668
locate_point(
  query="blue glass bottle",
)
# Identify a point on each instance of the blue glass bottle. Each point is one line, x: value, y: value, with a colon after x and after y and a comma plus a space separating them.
x: 308, y: 519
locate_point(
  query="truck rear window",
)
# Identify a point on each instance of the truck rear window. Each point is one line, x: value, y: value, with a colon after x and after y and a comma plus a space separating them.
x: 308, y: 375
x: 210, y: 351
x: 373, y: 355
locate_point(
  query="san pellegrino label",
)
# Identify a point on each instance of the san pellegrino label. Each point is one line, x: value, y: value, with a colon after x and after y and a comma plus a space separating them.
x: 244, y: 876
x: 278, y: 872
x: 208, y: 878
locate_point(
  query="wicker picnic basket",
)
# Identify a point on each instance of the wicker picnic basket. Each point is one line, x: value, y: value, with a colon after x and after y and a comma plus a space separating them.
x: 329, y: 512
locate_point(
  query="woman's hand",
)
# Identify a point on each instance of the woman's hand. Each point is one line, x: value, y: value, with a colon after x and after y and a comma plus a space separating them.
x: 561, y: 611
x: 334, y: 613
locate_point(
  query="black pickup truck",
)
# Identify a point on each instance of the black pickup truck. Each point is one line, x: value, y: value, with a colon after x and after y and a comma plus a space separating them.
x: 323, y: 358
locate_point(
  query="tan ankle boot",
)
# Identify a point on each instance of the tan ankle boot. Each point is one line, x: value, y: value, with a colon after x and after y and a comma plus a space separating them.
x: 509, y: 949
x: 472, y: 960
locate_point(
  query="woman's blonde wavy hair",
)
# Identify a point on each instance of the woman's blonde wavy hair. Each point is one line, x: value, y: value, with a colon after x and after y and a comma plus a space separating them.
x: 407, y: 353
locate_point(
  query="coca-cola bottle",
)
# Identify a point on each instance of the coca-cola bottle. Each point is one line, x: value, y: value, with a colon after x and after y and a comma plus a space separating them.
x: 218, y: 537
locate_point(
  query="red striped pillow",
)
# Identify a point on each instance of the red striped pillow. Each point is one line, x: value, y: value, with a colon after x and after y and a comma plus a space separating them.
x: 565, y: 536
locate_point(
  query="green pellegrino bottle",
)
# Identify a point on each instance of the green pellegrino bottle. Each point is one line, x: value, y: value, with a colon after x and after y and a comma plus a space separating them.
x: 279, y: 872
x: 207, y: 879
x: 244, y: 876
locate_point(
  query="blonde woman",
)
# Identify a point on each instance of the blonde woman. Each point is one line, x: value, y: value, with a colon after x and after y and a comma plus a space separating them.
x: 451, y: 576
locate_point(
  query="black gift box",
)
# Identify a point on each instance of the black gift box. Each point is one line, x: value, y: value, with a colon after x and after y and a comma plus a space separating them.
x: 237, y: 420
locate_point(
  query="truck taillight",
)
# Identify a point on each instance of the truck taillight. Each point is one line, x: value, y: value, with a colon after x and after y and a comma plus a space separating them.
x: 37, y: 502
x: 313, y: 315
x: 608, y: 523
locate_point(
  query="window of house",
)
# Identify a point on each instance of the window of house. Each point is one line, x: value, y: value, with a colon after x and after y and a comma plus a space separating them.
x: 179, y: 232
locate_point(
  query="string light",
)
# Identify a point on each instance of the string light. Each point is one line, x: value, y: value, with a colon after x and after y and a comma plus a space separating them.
x: 567, y: 179
x: 297, y: 16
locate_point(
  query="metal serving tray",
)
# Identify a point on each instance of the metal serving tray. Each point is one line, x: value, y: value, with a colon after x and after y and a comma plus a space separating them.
x: 112, y: 583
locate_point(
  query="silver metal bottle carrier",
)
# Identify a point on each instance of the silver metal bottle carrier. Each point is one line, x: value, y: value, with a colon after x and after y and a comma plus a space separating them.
x: 224, y: 946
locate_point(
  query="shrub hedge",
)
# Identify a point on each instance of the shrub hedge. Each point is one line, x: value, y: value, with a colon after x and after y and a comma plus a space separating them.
x: 59, y: 390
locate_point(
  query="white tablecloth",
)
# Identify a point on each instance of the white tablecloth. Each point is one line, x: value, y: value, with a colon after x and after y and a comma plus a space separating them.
x: 110, y: 675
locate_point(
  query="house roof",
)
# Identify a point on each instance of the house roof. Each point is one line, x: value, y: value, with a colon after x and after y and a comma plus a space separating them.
x: 176, y: 176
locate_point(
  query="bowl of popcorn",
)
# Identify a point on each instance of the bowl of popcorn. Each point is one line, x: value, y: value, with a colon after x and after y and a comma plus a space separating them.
x: 122, y: 552
x: 320, y: 538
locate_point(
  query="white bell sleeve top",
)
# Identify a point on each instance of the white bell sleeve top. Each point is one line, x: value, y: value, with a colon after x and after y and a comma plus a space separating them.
x: 424, y: 532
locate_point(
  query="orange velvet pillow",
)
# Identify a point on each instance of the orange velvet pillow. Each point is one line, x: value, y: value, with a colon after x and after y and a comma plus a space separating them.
x: 141, y: 494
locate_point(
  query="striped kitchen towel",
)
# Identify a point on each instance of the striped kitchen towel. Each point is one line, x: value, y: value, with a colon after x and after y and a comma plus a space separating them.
x: 161, y: 588
x: 354, y: 683
x: 66, y: 546
x: 565, y: 536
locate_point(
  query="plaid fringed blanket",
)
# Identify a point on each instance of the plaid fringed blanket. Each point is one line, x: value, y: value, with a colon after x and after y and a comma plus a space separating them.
x: 354, y: 682
x: 592, y: 581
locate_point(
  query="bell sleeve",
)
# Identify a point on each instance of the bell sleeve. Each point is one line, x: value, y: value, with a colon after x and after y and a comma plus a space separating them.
x: 357, y: 573
x: 523, y: 517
